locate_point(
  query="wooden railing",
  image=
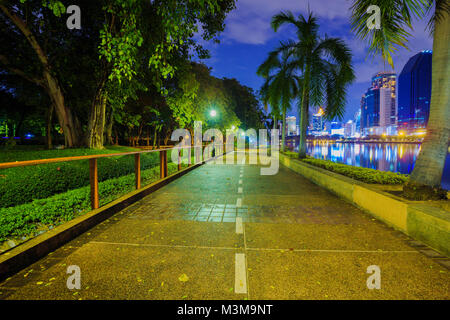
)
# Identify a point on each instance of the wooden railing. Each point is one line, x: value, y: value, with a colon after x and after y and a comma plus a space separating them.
x: 93, y: 165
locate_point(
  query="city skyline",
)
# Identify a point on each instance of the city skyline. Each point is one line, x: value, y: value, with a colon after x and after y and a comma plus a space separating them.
x: 248, y: 39
x: 393, y: 104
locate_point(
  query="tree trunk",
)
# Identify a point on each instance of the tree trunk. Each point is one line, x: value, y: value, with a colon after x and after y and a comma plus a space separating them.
x: 49, y: 144
x: 166, y: 140
x: 96, y: 125
x: 117, y: 137
x: 109, y: 127
x: 155, y: 137
x: 139, y: 134
x: 304, y: 116
x: 283, y: 133
x: 50, y: 83
x: 64, y: 114
x: 430, y: 163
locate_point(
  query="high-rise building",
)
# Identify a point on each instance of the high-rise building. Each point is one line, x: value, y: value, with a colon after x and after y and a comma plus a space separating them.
x: 414, y: 92
x: 378, y: 105
x: 336, y: 129
x: 370, y: 111
x: 318, y: 123
x: 349, y: 129
x: 291, y: 126
x: 358, y: 123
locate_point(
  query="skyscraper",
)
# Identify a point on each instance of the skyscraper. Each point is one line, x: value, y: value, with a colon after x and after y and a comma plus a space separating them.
x: 370, y: 114
x: 317, y: 122
x: 415, y: 92
x: 378, y: 105
x: 291, y: 126
x: 358, y: 123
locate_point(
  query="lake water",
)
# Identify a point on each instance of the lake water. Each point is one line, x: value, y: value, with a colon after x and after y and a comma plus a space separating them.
x: 395, y: 157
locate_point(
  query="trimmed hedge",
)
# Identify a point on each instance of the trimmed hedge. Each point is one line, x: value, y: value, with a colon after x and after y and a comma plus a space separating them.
x: 366, y: 175
x: 23, y: 185
x: 27, y: 219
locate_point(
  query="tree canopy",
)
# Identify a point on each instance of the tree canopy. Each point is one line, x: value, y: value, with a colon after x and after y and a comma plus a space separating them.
x: 127, y: 71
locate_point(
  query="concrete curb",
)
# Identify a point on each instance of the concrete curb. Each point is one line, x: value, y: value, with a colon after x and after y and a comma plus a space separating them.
x: 418, y: 220
x: 29, y: 252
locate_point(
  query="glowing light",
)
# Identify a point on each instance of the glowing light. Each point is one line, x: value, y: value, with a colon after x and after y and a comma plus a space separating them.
x: 320, y: 112
x: 213, y: 113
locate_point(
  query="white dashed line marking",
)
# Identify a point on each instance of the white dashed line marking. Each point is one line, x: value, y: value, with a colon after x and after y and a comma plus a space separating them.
x: 239, y: 202
x: 240, y: 280
x: 239, y: 226
x: 240, y: 190
x: 240, y: 181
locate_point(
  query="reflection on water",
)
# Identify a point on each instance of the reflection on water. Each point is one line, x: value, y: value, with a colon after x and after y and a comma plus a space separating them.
x: 393, y: 157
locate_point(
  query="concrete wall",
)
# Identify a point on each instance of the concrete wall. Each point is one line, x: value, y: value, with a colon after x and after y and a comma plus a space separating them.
x: 417, y: 219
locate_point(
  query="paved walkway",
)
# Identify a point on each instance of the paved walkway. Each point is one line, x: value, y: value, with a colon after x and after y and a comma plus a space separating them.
x: 226, y: 232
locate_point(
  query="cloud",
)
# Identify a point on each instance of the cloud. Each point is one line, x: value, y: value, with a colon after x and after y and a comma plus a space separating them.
x: 255, y: 31
x: 250, y: 22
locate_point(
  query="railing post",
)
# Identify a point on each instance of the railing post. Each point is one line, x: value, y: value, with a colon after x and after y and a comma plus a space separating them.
x: 137, y: 170
x: 163, y: 163
x: 203, y: 152
x: 93, y: 178
x: 166, y: 172
x: 190, y: 156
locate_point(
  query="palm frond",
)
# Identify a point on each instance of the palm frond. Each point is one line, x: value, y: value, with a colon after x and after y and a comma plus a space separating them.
x: 395, y: 18
x: 442, y: 9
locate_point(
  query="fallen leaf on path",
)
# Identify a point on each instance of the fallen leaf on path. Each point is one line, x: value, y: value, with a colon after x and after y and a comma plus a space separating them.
x: 183, y: 277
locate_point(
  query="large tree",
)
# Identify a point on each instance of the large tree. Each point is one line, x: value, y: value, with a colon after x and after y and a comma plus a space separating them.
x: 212, y: 95
x: 323, y: 64
x: 245, y: 104
x: 396, y: 17
x: 108, y: 59
x: 30, y: 40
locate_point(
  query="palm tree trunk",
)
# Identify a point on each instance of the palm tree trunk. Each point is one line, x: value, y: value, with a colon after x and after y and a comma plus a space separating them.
x: 430, y: 163
x: 283, y: 132
x: 304, y: 115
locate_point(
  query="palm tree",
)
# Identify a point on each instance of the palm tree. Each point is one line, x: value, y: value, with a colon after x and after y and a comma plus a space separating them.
x: 324, y: 67
x: 274, y: 110
x: 396, y: 15
x: 279, y: 88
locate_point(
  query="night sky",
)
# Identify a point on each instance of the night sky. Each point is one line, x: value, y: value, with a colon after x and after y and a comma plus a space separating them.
x: 248, y: 38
